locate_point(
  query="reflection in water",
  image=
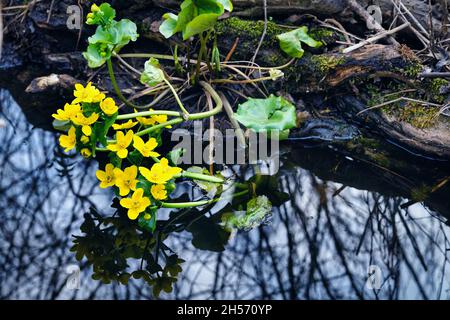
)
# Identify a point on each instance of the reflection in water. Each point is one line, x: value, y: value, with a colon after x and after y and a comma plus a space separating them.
x: 319, y: 245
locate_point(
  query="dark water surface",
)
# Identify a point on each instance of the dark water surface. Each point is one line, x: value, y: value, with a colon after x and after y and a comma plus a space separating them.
x: 319, y: 245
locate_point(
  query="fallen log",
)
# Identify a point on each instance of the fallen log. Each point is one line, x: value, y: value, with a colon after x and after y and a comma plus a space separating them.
x: 40, y: 48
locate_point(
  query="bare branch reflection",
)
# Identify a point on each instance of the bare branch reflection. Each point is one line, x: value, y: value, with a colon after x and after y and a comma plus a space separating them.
x: 319, y: 245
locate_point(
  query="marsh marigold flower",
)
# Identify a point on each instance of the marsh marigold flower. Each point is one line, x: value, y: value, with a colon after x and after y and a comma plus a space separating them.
x: 86, y: 153
x: 108, y: 106
x: 68, y: 113
x: 88, y: 94
x: 145, y: 148
x: 69, y: 141
x: 159, y: 191
x: 84, y: 139
x: 81, y: 120
x: 160, y: 172
x: 136, y: 204
x: 122, y: 143
x: 127, y: 125
x: 107, y: 177
x: 126, y: 180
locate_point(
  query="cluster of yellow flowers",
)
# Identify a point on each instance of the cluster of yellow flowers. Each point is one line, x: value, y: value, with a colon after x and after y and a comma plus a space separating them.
x: 74, y: 113
x: 159, y: 174
x: 86, y: 109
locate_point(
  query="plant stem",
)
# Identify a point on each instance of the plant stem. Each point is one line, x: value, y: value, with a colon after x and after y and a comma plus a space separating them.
x: 195, y: 116
x: 182, y: 205
x: 199, y: 176
x: 116, y: 86
x: 177, y: 98
x: 241, y: 81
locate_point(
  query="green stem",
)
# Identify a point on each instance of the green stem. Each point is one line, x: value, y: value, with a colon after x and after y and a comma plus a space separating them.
x: 116, y: 86
x: 200, y: 57
x: 183, y: 205
x: 194, y: 116
x: 199, y: 176
x: 177, y: 98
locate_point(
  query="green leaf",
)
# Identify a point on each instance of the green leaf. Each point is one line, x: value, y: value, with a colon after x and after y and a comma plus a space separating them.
x: 210, y: 187
x: 135, y: 157
x: 187, y: 13
x: 259, y: 209
x: 169, y: 27
x: 199, y: 24
x: 62, y: 125
x: 291, y: 42
x: 227, y: 5
x: 207, y: 234
x: 152, y: 74
x: 272, y: 115
x: 97, y: 54
x: 150, y: 224
x: 127, y: 31
x: 209, y: 6
x: 175, y: 155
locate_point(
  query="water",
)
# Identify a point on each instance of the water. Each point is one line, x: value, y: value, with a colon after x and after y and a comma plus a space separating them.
x: 319, y: 245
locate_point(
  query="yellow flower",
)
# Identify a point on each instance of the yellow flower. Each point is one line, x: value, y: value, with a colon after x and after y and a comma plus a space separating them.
x: 88, y: 94
x: 126, y: 180
x: 127, y: 125
x: 155, y: 119
x: 136, y: 204
x: 160, y: 118
x: 107, y: 177
x: 84, y: 139
x: 159, y: 191
x: 69, y: 112
x: 68, y: 141
x: 123, y: 141
x: 86, y: 153
x: 146, y: 121
x: 81, y: 120
x: 160, y: 172
x: 146, y: 148
x: 109, y: 106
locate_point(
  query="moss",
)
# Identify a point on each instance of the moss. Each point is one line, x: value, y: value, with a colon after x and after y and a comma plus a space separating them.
x: 250, y: 30
x: 415, y: 114
x: 434, y: 89
x: 324, y: 63
x: 412, y: 70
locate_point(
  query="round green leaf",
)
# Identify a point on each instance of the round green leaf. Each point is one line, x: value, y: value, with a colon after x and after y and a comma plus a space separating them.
x: 273, y: 114
x: 291, y: 42
x: 152, y: 74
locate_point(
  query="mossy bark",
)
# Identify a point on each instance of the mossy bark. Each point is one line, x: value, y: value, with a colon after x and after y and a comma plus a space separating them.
x: 323, y: 71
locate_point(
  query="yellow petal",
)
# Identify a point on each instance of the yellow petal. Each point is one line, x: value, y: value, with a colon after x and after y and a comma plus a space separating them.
x: 122, y: 153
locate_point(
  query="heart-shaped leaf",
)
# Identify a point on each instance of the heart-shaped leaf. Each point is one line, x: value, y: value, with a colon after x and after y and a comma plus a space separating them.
x: 291, y: 42
x: 199, y: 24
x: 169, y: 27
x: 274, y: 115
x: 152, y: 74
